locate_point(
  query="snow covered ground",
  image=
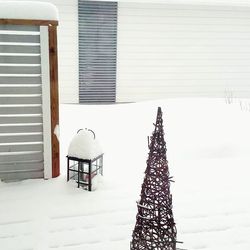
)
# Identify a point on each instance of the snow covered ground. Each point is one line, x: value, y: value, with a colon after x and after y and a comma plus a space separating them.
x: 208, y: 143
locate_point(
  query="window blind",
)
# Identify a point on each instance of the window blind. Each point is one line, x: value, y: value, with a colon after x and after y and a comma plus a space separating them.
x: 97, y: 51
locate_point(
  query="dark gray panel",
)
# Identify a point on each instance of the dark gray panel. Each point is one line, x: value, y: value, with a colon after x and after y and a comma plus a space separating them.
x: 9, y: 38
x: 21, y: 157
x: 22, y: 137
x: 29, y: 99
x: 21, y: 167
x: 22, y: 174
x: 20, y: 59
x: 20, y: 79
x: 20, y: 109
x: 20, y: 90
x: 20, y: 69
x: 20, y: 119
x: 19, y: 49
x: 21, y: 147
x: 97, y: 51
x: 20, y: 28
x: 21, y: 129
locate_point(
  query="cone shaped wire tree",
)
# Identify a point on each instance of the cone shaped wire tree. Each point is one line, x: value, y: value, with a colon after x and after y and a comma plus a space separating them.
x: 155, y: 227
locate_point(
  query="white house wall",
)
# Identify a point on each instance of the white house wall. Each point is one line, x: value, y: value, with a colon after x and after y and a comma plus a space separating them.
x: 166, y: 50
x: 67, y: 50
x: 180, y: 50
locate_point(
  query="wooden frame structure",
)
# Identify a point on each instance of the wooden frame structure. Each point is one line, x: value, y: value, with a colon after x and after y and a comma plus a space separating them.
x: 53, y: 75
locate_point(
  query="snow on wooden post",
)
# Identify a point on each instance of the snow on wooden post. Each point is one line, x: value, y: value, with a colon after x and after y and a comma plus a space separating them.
x: 25, y: 23
x: 155, y: 227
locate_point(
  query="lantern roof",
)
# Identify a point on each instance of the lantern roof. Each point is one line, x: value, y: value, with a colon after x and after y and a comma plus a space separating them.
x: 84, y: 145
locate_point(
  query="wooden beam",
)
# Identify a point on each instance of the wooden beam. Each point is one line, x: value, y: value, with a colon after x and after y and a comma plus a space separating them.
x: 54, y: 99
x: 28, y: 22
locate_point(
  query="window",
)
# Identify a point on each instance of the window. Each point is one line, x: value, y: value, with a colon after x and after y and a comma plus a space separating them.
x: 97, y: 51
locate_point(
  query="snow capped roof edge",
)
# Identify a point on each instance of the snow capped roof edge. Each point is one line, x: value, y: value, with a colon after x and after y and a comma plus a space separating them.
x: 29, y: 10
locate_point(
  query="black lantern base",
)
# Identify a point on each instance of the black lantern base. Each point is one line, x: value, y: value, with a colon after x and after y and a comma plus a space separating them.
x: 83, y: 170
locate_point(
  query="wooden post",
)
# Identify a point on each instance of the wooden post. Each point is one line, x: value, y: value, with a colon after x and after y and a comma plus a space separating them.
x: 28, y: 22
x: 54, y: 99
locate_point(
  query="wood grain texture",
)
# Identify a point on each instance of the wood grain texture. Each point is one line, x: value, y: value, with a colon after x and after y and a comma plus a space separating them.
x: 28, y: 22
x: 54, y: 99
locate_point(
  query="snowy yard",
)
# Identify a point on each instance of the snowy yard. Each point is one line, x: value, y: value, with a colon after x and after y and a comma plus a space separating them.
x: 209, y: 156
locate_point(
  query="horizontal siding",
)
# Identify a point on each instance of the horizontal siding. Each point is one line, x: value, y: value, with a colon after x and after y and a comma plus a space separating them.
x: 19, y: 38
x: 67, y: 49
x: 20, y: 99
x: 31, y: 59
x: 23, y: 154
x: 23, y: 167
x: 21, y: 157
x: 5, y: 29
x: 150, y: 25
x: 21, y: 137
x: 20, y: 174
x: 21, y: 147
x: 11, y: 89
x: 227, y: 4
x: 19, y: 49
x: 9, y: 69
x: 23, y: 128
x: 20, y: 109
x: 20, y: 79
x: 181, y: 50
x: 20, y: 119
